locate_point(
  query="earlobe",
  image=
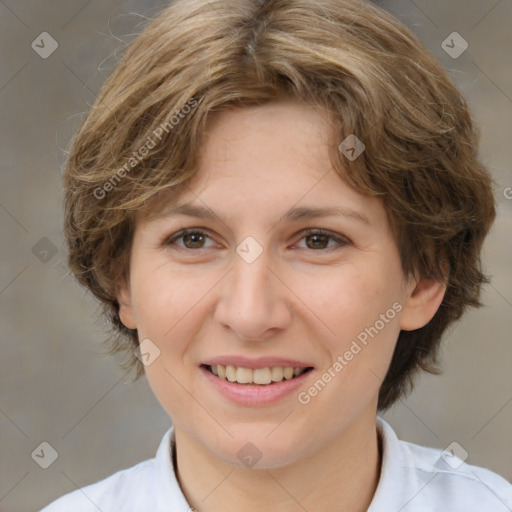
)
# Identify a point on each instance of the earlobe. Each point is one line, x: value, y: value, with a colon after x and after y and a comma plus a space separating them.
x: 125, y: 306
x: 422, y: 304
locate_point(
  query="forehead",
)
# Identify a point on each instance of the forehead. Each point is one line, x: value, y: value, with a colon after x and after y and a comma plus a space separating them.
x: 262, y: 158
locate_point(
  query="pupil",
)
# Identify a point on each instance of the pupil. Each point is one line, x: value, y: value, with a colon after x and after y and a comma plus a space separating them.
x: 316, y: 237
x: 194, y: 237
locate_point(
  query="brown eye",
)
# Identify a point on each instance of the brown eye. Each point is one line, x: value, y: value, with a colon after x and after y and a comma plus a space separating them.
x: 191, y: 239
x: 318, y: 239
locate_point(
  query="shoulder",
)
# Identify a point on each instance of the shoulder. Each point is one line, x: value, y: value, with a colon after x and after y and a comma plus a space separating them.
x: 106, y: 494
x: 447, y: 479
x: 437, y: 480
x: 148, y: 485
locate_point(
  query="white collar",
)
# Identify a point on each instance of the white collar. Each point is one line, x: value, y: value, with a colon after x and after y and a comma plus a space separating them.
x: 407, y: 471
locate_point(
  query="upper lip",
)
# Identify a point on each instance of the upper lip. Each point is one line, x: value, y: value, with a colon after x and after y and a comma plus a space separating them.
x: 253, y: 363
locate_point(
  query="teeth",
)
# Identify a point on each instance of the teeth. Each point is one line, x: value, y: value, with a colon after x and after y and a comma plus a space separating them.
x: 230, y: 373
x: 277, y: 373
x: 288, y: 373
x: 260, y: 376
x: 243, y: 375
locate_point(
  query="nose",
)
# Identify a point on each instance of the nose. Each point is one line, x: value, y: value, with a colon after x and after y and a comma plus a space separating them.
x: 254, y: 302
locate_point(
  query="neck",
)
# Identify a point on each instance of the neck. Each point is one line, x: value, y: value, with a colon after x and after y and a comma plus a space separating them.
x: 343, y: 475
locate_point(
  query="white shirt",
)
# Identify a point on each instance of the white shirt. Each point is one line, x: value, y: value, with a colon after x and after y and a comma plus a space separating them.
x: 413, y: 479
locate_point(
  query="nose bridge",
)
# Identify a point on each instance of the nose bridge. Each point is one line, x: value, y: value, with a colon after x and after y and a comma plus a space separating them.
x: 253, y: 301
x: 251, y: 286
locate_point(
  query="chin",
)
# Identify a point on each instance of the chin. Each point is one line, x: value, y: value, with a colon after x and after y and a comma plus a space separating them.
x: 258, y: 447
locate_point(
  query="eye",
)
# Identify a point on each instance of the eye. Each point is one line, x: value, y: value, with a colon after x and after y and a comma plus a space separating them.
x: 192, y: 239
x: 195, y: 238
x: 319, y: 239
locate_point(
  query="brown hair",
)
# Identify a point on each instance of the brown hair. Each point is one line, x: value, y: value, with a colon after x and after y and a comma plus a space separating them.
x: 349, y: 57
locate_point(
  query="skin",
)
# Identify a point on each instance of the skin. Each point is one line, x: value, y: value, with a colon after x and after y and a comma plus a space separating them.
x: 305, y: 298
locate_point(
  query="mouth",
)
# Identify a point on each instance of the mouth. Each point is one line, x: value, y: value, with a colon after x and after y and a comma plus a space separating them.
x: 265, y: 376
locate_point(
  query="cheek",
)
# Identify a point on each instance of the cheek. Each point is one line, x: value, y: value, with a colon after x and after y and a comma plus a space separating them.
x: 173, y: 391
x: 171, y: 308
x: 164, y: 299
x: 353, y: 300
x: 362, y: 312
x: 361, y: 308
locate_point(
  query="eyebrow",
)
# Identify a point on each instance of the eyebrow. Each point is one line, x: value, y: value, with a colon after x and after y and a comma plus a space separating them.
x: 292, y: 215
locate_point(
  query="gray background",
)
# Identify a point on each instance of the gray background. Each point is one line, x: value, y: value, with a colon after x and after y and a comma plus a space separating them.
x: 56, y: 385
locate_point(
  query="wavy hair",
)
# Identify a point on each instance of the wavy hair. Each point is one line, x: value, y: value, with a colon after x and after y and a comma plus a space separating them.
x: 369, y: 73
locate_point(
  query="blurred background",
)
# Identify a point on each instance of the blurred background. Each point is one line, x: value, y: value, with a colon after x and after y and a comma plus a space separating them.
x: 56, y: 384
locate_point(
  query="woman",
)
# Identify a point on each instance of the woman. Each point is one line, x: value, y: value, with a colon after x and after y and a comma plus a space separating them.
x: 281, y: 208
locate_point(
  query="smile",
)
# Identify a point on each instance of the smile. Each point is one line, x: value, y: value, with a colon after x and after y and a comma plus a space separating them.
x: 260, y: 376
x: 255, y: 383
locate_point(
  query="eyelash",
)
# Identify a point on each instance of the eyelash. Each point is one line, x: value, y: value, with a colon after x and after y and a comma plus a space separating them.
x: 305, y: 233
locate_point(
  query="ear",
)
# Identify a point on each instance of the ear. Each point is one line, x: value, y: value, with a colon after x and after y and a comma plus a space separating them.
x: 124, y: 298
x: 424, y: 298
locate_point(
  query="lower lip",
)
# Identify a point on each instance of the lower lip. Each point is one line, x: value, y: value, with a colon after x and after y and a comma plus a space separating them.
x: 254, y: 395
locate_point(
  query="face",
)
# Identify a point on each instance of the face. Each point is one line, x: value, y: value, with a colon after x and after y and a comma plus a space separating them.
x: 265, y: 283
